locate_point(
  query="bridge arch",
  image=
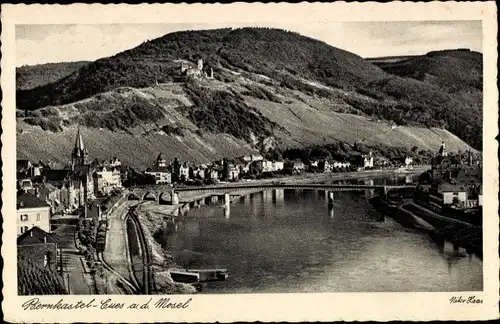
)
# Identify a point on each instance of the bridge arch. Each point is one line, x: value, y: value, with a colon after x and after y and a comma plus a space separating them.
x: 149, y: 196
x: 165, y: 198
x: 133, y: 196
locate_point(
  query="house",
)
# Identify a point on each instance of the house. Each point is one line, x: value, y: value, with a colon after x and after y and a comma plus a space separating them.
x: 212, y: 174
x: 39, y: 247
x: 367, y: 160
x: 107, y: 178
x: 324, y: 166
x: 160, y: 171
x: 243, y: 164
x: 184, y: 172
x: 408, y: 161
x: 162, y: 174
x: 341, y: 165
x: 23, y: 165
x: 278, y: 165
x: 313, y: 166
x: 51, y: 195
x: 25, y: 184
x: 32, y: 211
x: 233, y: 173
x: 292, y: 167
x: 252, y: 158
x: 271, y: 166
x: 267, y: 166
x: 198, y: 172
x: 453, y: 194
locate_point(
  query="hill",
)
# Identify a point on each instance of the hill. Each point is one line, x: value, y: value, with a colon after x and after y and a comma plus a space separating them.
x: 32, y: 76
x: 453, y: 70
x: 136, y: 124
x: 268, y: 85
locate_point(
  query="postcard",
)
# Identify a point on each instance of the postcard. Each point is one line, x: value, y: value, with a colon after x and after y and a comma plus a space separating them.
x: 250, y: 162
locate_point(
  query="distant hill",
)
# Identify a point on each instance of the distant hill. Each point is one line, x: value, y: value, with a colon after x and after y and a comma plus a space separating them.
x: 32, y: 76
x: 271, y: 87
x: 453, y: 70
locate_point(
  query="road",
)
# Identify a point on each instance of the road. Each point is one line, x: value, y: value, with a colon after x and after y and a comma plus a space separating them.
x: 116, y: 253
x: 80, y: 282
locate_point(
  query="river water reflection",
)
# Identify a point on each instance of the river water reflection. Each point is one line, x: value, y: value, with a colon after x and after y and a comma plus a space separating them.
x: 290, y: 241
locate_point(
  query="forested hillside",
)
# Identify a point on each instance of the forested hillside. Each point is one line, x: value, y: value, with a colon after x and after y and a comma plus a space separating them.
x: 268, y: 82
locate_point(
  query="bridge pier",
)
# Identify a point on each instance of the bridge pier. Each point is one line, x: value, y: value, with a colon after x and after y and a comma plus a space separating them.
x: 174, y: 196
x: 330, y: 198
x: 331, y: 212
x: 227, y: 205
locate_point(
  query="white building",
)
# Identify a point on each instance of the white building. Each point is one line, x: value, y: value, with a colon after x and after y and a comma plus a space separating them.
x: 408, y: 161
x: 368, y: 160
x: 253, y: 157
x: 184, y: 172
x: 267, y: 166
x: 341, y: 165
x: 233, y: 173
x: 453, y: 193
x: 31, y: 212
x: 278, y: 165
x: 161, y: 174
x: 199, y: 173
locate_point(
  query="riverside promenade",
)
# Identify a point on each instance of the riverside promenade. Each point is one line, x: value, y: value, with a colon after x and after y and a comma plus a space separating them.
x: 116, y: 253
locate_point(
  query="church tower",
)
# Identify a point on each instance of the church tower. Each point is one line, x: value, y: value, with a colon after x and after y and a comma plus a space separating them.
x: 80, y: 153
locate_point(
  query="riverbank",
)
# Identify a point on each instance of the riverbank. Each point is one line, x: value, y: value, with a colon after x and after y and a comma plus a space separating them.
x: 307, y: 177
x: 440, y: 228
x: 161, y: 261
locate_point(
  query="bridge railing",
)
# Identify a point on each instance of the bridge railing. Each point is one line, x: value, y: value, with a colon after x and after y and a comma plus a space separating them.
x: 269, y: 186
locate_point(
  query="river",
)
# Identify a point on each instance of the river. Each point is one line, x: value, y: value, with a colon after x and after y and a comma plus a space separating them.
x: 287, y: 241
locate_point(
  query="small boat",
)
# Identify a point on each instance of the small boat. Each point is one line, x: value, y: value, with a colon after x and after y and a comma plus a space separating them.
x: 207, y: 275
x: 179, y: 275
x: 198, y: 275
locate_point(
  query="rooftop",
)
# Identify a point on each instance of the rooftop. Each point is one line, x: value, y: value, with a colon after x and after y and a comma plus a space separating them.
x: 158, y: 169
x: 35, y: 235
x: 28, y: 200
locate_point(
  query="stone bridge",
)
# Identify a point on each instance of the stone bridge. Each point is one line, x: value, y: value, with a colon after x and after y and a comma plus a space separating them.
x: 168, y: 195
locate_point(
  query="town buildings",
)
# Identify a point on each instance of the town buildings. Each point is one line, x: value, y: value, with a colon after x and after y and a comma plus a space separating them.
x: 294, y: 167
x: 106, y: 179
x: 39, y: 247
x: 271, y: 166
x: 160, y: 171
x: 324, y: 166
x: 454, y: 182
x: 32, y: 211
x: 65, y: 188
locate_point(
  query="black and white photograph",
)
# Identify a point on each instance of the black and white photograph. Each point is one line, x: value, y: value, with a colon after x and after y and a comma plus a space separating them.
x: 253, y: 157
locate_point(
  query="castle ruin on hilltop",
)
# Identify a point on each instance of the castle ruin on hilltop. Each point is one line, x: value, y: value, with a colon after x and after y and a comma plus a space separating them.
x: 198, y: 71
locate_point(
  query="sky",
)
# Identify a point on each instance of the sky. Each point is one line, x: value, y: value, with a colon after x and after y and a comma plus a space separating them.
x: 37, y: 44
